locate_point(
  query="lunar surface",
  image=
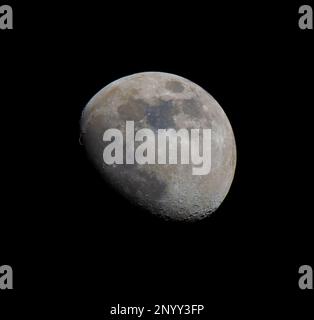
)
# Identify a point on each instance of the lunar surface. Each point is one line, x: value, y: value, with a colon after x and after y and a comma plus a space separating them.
x: 157, y: 100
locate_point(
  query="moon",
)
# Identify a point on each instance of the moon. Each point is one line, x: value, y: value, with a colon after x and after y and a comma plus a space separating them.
x: 158, y: 100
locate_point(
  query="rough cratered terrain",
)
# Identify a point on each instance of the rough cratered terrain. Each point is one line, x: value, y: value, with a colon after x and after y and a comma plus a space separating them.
x: 158, y: 100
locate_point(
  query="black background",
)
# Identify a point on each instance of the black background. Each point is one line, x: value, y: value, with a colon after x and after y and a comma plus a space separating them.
x: 78, y: 248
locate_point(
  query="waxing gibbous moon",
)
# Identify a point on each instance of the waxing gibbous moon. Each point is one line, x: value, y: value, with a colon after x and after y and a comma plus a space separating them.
x: 157, y: 100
